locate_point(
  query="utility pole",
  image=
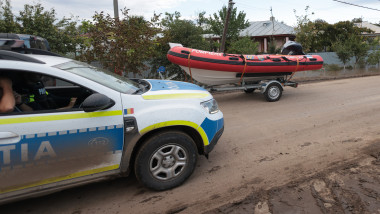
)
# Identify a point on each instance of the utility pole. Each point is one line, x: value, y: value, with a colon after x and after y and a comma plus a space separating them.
x: 222, y: 46
x: 115, y: 9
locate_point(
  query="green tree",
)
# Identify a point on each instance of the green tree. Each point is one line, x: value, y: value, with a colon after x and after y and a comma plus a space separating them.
x: 343, y: 50
x: 305, y: 32
x: 318, y: 35
x: 237, y: 23
x: 8, y: 22
x: 120, y: 45
x: 374, y: 58
x: 201, y: 19
x: 35, y: 20
x: 244, y: 45
x: 359, y: 47
x: 176, y: 30
x: 272, y: 49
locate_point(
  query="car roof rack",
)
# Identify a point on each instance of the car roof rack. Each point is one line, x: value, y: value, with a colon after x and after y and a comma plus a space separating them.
x: 9, y: 36
x: 10, y: 55
x: 16, y: 45
x: 24, y: 50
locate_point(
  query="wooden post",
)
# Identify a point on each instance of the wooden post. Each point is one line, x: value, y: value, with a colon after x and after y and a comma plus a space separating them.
x: 222, y: 45
x: 116, y: 9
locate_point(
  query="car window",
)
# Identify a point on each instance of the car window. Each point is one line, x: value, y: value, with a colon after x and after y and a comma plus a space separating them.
x: 101, y: 76
x: 36, y: 93
x: 50, y: 82
x: 27, y: 43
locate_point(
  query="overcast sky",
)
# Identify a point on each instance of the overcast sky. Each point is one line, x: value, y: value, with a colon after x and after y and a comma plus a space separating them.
x: 328, y: 10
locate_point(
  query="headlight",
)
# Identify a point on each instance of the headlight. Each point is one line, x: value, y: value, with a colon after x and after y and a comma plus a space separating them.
x: 211, y: 106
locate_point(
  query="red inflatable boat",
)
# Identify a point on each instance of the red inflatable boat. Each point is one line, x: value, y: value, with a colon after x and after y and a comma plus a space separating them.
x: 213, y: 68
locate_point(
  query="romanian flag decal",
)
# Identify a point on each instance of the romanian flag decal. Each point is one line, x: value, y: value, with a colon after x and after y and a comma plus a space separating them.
x: 128, y: 111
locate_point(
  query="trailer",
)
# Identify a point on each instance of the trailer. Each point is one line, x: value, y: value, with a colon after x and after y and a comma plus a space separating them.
x: 270, y: 88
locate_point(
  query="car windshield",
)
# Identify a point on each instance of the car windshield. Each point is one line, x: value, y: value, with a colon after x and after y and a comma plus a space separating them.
x: 106, y: 78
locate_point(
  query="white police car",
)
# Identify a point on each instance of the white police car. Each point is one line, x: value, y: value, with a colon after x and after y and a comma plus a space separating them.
x: 155, y: 127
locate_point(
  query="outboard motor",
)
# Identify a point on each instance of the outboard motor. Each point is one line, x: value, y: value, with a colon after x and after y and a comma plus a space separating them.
x: 292, y: 48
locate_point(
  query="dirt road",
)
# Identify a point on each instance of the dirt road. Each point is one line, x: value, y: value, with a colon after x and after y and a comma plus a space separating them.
x: 317, y: 150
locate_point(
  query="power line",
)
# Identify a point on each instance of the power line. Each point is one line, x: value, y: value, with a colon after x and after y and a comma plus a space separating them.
x: 357, y: 5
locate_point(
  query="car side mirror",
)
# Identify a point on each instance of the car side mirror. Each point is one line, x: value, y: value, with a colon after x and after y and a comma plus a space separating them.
x: 96, y: 102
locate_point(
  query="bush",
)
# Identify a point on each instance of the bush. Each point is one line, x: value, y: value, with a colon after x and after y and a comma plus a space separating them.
x: 333, y: 67
x: 243, y: 46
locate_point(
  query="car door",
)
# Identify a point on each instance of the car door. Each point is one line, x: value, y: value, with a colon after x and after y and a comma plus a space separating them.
x: 45, y: 149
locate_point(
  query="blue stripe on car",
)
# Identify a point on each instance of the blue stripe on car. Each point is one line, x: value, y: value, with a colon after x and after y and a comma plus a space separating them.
x: 158, y: 85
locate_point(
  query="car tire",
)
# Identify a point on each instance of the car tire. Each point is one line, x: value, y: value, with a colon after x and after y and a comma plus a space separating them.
x: 166, y: 160
x: 273, y: 92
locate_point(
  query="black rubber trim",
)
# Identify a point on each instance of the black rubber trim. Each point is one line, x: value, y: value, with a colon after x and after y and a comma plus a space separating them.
x: 214, y: 141
x: 227, y: 62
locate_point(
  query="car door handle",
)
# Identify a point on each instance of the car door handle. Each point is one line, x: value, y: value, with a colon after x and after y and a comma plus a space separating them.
x: 9, y: 138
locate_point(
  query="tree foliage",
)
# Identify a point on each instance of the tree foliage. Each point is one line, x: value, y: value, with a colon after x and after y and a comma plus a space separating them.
x: 319, y: 35
x: 36, y: 20
x: 237, y: 23
x: 7, y: 19
x: 176, y: 30
x: 120, y: 45
x: 343, y: 50
x: 244, y: 45
x: 374, y: 58
x: 359, y: 47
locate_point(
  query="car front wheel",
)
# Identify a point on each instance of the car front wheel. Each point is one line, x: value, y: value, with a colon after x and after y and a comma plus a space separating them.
x: 166, y: 160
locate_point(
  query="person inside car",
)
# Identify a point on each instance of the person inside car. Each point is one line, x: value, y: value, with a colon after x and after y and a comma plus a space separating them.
x: 32, y: 95
x: 7, y: 100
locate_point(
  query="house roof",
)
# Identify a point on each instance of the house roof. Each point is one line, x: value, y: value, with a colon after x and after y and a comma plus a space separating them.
x: 265, y: 28
x: 368, y: 25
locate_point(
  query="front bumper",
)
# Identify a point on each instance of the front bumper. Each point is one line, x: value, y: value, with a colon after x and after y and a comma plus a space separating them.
x: 214, y: 141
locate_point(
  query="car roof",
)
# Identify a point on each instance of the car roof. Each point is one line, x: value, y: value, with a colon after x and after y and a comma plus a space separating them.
x: 50, y: 60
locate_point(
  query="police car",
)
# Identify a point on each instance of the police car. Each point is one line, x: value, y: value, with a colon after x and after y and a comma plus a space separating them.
x: 155, y: 127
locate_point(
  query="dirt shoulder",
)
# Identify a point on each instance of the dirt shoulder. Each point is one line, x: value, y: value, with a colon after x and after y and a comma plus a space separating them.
x: 350, y: 187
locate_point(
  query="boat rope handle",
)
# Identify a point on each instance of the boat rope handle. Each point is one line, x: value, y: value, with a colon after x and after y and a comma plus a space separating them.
x: 298, y: 63
x: 291, y: 76
x: 188, y: 64
x: 245, y: 67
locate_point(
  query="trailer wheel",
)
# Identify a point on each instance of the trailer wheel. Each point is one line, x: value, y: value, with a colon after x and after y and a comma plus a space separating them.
x: 273, y: 92
x: 166, y: 160
x: 249, y: 90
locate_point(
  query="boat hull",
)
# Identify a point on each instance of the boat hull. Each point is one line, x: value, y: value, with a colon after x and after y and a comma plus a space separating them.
x: 213, y: 68
x: 211, y: 77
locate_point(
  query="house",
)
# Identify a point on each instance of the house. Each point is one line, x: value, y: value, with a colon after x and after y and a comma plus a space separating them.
x: 374, y: 28
x: 263, y: 31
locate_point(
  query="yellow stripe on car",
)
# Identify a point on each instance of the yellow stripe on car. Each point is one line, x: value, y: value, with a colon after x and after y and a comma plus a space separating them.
x: 59, y: 117
x: 57, y: 179
x: 175, y: 96
x: 178, y: 123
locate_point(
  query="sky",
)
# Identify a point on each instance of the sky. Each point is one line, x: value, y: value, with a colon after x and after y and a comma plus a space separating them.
x: 328, y: 10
